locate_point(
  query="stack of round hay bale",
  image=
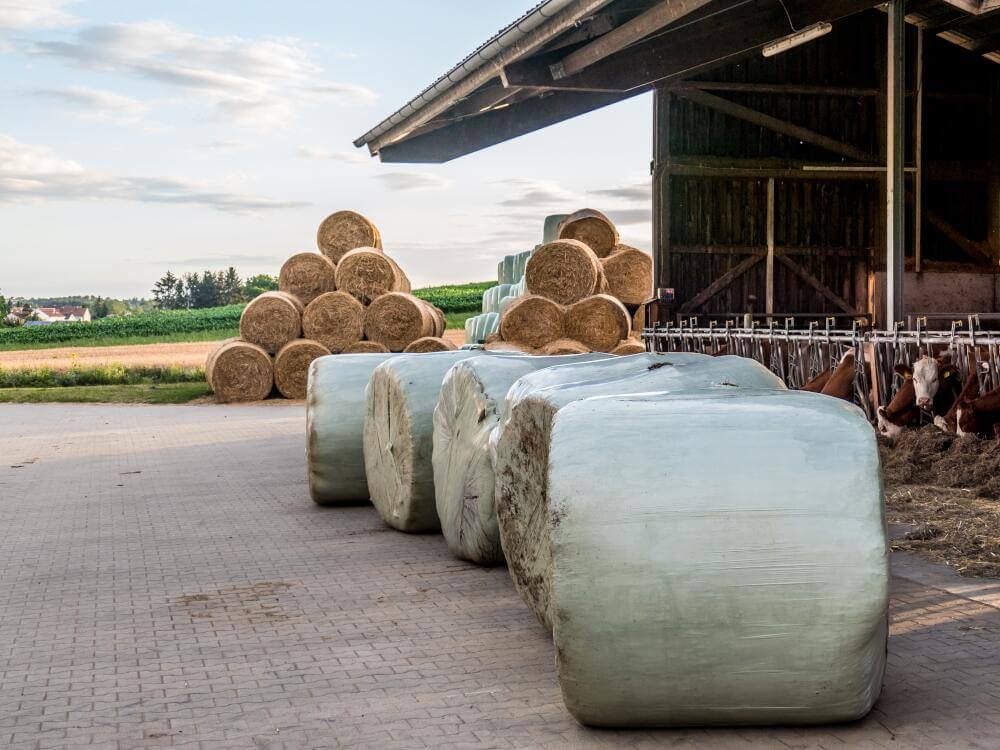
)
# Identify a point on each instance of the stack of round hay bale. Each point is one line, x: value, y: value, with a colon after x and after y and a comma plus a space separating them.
x: 349, y: 298
x: 584, y: 292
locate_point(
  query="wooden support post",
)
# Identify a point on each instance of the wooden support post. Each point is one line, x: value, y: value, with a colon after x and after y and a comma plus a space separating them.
x: 918, y: 156
x: 769, y: 295
x: 994, y: 185
x: 895, y: 194
x: 661, y: 187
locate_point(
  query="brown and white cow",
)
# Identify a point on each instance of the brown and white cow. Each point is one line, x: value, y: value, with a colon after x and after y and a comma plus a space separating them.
x: 935, y: 383
x: 840, y: 384
x: 979, y: 416
x: 901, y: 412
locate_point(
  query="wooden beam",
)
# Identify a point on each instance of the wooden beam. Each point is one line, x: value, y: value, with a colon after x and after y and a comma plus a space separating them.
x: 918, y: 156
x: 978, y: 251
x: 780, y: 89
x: 662, y: 14
x: 475, y: 133
x: 727, y: 35
x: 817, y: 285
x: 984, y: 45
x: 994, y: 171
x: 722, y: 282
x: 895, y: 197
x: 769, y: 294
x: 773, y: 123
x: 661, y: 169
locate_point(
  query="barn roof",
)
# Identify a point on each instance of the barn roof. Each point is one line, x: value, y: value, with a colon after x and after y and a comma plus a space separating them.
x: 564, y: 58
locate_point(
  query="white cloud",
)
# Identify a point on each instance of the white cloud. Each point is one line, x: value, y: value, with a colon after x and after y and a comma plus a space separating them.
x: 255, y: 83
x: 403, y: 181
x: 97, y: 104
x: 527, y: 193
x: 321, y: 152
x: 28, y: 14
x: 640, y: 192
x: 31, y: 172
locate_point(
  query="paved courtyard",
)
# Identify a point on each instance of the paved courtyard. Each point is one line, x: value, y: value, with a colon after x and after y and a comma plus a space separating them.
x: 166, y: 581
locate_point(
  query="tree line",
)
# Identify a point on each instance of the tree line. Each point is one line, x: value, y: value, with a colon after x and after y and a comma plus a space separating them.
x: 194, y: 291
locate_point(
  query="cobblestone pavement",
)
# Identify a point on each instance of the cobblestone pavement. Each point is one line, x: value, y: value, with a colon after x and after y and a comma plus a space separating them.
x: 165, y: 581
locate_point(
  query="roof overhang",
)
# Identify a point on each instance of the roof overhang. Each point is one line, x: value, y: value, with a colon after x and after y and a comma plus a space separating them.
x: 568, y: 57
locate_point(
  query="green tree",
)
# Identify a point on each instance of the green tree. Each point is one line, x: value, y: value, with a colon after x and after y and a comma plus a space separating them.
x: 169, y: 292
x: 257, y: 285
x: 99, y: 308
x: 231, y: 287
x: 4, y: 307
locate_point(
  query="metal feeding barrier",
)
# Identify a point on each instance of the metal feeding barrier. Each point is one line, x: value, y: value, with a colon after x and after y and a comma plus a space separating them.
x: 797, y: 355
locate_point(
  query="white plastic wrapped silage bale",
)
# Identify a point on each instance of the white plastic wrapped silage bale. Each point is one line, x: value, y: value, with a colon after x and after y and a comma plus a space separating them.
x: 399, y: 435
x: 335, y: 411
x: 730, y: 568
x: 519, y: 443
x: 468, y: 408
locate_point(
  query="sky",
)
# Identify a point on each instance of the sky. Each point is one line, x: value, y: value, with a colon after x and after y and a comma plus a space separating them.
x: 188, y: 135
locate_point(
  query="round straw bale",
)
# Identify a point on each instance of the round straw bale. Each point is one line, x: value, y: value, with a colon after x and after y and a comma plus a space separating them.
x: 210, y: 360
x: 291, y: 366
x: 335, y: 319
x: 629, y: 346
x: 366, y: 347
x: 343, y: 231
x: 397, y: 319
x: 507, y: 346
x: 599, y: 322
x: 532, y: 321
x: 639, y: 319
x: 564, y: 346
x: 367, y: 273
x: 271, y: 320
x: 440, y: 322
x: 630, y: 274
x: 591, y: 227
x: 308, y: 275
x: 241, y: 371
x: 565, y: 271
x: 430, y: 344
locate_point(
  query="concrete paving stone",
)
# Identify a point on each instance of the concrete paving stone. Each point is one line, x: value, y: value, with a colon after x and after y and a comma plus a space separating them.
x: 208, y: 603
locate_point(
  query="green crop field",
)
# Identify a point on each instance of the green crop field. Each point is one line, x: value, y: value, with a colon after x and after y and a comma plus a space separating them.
x: 457, y: 301
x: 169, y: 393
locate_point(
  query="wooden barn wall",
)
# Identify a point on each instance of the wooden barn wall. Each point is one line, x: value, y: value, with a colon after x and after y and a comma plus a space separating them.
x: 831, y: 229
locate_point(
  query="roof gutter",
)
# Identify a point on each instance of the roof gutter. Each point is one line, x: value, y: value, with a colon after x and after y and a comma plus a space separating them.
x: 535, y: 29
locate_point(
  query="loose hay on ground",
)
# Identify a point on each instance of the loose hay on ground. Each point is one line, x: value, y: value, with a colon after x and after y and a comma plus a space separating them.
x: 335, y: 319
x: 240, y: 371
x: 532, y: 321
x: 272, y: 320
x: 948, y: 489
x: 564, y: 346
x: 291, y: 366
x: 308, y: 275
x: 344, y: 231
x: 366, y: 273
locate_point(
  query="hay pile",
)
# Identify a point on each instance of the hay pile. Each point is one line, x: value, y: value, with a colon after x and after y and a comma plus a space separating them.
x: 946, y: 490
x: 585, y: 293
x: 349, y: 298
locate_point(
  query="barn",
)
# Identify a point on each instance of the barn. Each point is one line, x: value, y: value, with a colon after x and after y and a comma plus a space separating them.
x: 810, y: 159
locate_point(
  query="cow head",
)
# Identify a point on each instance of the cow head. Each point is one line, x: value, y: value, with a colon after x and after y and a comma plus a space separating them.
x: 886, y: 427
x: 928, y: 374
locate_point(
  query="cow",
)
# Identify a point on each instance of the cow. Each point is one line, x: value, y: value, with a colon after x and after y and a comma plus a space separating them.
x: 970, y: 391
x: 816, y: 384
x: 979, y: 416
x: 841, y: 381
x: 935, y: 383
x: 901, y: 411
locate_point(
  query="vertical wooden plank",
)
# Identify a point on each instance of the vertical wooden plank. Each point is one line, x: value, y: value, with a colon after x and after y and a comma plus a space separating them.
x: 769, y: 295
x: 895, y: 194
x: 994, y: 156
x: 918, y: 156
x: 661, y: 188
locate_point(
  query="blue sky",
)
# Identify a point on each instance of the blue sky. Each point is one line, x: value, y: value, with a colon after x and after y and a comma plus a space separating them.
x: 142, y: 136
